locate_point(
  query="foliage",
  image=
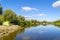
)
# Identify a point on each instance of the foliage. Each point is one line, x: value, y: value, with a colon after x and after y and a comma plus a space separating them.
x: 6, y: 23
x: 25, y: 23
x: 35, y: 22
x: 57, y: 23
x: 9, y: 15
x: 0, y: 9
x: 21, y: 18
x: 1, y: 19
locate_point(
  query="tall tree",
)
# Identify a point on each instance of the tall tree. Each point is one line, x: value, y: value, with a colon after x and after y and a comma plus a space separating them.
x: 9, y: 15
x: 1, y: 19
x: 0, y: 9
x: 21, y: 18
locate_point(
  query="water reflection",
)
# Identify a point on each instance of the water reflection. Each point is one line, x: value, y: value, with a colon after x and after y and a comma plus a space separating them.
x: 57, y: 26
x: 51, y: 24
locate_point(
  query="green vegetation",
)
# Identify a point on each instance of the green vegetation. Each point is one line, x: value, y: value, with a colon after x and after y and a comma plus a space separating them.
x: 1, y: 19
x: 0, y: 9
x: 56, y: 23
x: 6, y: 23
x: 9, y: 17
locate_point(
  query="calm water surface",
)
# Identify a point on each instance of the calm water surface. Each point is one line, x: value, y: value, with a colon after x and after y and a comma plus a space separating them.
x: 48, y: 32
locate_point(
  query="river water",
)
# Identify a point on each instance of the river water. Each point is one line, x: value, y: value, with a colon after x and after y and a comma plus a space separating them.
x: 48, y: 32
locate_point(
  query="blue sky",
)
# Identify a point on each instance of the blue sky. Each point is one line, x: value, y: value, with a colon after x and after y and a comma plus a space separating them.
x: 34, y: 9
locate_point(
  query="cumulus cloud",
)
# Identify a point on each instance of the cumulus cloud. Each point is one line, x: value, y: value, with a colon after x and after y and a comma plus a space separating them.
x: 56, y: 4
x: 29, y: 9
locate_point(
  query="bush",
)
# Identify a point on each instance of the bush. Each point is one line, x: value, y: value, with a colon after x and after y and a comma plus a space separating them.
x: 1, y: 19
x: 7, y: 23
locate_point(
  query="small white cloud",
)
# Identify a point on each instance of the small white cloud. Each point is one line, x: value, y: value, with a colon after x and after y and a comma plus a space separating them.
x: 31, y: 16
x: 29, y: 9
x: 28, y: 16
x: 41, y: 14
x: 56, y: 4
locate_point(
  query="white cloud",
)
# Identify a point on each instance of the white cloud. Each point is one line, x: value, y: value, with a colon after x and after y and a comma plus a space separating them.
x: 56, y: 4
x: 29, y: 9
x: 31, y: 16
x: 28, y: 16
x: 41, y: 14
x: 37, y: 15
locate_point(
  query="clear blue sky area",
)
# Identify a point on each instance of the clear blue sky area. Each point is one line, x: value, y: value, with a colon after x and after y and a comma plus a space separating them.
x: 33, y: 9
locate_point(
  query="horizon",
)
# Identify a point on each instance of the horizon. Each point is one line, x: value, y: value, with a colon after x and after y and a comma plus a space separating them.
x: 41, y: 10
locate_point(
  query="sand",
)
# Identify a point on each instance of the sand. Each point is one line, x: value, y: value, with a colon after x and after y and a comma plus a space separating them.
x: 6, y: 30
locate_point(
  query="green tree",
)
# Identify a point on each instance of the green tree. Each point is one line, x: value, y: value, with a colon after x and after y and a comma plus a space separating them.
x: 0, y: 9
x: 57, y: 23
x: 25, y: 23
x: 21, y: 18
x: 1, y: 19
x: 9, y: 15
x: 35, y: 22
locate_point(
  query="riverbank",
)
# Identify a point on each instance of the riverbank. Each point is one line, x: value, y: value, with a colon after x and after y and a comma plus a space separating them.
x: 6, y: 30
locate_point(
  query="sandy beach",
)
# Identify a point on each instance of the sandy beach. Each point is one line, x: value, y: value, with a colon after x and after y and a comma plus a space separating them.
x: 6, y: 30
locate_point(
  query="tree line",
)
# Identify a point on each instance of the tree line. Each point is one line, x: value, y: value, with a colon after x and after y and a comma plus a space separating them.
x: 10, y: 16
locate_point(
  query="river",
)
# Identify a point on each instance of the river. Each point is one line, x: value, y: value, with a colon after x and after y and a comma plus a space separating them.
x: 48, y: 32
